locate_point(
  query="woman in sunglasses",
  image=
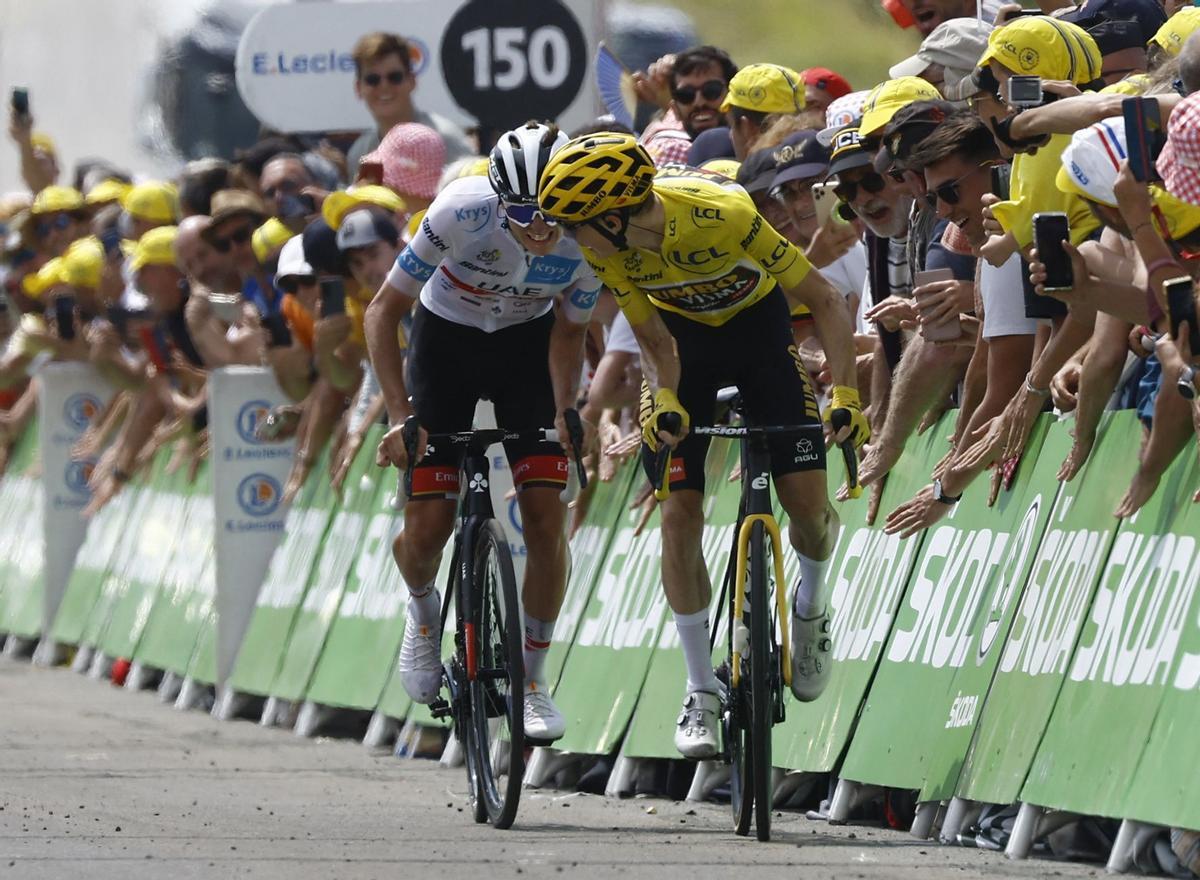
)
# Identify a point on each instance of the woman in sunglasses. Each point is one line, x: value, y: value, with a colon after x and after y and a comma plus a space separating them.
x: 501, y: 302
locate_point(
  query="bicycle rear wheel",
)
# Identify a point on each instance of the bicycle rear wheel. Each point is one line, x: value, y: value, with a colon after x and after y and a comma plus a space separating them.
x: 496, y: 731
x: 762, y: 696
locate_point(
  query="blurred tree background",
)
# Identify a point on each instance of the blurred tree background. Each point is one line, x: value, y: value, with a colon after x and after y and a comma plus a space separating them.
x: 856, y: 38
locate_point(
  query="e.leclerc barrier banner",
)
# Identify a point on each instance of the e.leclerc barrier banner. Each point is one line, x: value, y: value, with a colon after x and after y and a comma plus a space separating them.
x: 21, y: 541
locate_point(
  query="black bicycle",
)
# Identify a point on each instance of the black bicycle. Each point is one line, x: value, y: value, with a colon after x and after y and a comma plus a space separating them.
x: 758, y: 665
x: 485, y: 676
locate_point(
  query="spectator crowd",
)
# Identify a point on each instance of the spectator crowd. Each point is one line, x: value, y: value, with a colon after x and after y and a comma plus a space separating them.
x: 915, y: 197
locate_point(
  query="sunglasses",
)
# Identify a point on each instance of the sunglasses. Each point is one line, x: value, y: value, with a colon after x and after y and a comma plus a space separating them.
x: 949, y: 192
x: 872, y: 182
x: 395, y: 77
x: 45, y: 227
x: 711, y: 90
x: 241, y: 235
x: 292, y: 283
x: 524, y: 215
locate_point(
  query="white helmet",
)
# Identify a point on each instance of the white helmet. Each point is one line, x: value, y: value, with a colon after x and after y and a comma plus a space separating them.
x: 516, y: 162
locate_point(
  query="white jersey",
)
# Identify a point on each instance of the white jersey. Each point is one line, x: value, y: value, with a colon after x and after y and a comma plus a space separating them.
x: 473, y: 271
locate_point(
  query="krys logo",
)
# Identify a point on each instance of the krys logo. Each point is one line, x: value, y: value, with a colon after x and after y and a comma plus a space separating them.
x: 77, y: 475
x: 287, y: 62
x: 80, y: 410
x: 248, y: 418
x: 259, y: 495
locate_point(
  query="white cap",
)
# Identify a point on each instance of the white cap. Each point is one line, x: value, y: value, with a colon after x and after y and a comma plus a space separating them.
x: 291, y: 259
x: 840, y: 113
x: 957, y: 45
x: 360, y: 228
x: 1091, y: 162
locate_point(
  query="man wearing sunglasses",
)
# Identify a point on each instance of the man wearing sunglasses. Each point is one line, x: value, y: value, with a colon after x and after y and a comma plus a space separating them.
x: 56, y: 218
x: 500, y: 301
x: 236, y: 214
x: 282, y: 183
x: 384, y: 81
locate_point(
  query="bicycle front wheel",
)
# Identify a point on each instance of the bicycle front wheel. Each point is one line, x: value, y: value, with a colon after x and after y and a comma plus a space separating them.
x: 761, y: 699
x: 496, y: 732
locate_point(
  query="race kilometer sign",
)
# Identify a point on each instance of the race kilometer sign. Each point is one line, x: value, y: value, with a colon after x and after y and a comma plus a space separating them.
x: 491, y: 62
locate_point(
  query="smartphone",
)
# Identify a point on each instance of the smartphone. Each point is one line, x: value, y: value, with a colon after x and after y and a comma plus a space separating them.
x: 20, y: 101
x: 1144, y: 137
x: 155, y: 343
x: 333, y: 297
x: 1050, y: 230
x: 951, y: 328
x: 999, y: 183
x: 1181, y: 306
x: 110, y: 240
x: 278, y: 330
x: 370, y: 172
x: 825, y: 200
x: 1022, y: 91
x: 64, y: 317
x: 291, y: 206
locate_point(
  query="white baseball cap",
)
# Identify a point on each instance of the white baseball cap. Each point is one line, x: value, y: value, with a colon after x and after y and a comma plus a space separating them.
x: 291, y: 259
x: 1091, y: 161
x: 957, y: 46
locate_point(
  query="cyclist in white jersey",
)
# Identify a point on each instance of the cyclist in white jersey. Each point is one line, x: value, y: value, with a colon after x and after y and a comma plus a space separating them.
x: 504, y: 302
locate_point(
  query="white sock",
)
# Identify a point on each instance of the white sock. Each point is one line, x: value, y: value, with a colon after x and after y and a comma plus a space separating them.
x: 424, y: 605
x: 697, y: 653
x: 809, y: 600
x: 538, y: 634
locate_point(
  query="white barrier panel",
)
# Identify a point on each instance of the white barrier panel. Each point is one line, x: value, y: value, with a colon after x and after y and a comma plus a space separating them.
x: 71, y: 396
x: 248, y: 478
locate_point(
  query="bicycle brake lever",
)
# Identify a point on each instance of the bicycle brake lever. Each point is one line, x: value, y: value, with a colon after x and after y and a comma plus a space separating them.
x: 575, y: 435
x: 850, y: 457
x: 411, y: 434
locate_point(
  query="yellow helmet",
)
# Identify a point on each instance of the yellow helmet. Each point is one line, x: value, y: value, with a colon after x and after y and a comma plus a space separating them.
x: 593, y: 174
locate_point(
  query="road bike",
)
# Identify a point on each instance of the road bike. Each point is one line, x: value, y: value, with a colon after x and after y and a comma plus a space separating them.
x: 485, y: 675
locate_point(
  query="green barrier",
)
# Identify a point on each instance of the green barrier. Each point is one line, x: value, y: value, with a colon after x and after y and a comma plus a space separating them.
x: 1050, y: 616
x: 282, y: 591
x: 1123, y: 661
x: 867, y: 574
x: 23, y: 555
x: 363, y: 641
x: 135, y: 495
x: 1026, y: 509
x: 938, y: 630
x: 185, y: 596
x: 1163, y: 788
x: 324, y: 593
x: 617, y: 634
x: 97, y: 557
x: 160, y: 523
x: 652, y: 730
x: 203, y: 665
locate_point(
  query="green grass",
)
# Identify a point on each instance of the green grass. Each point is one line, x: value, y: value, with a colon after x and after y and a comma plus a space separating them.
x: 856, y: 38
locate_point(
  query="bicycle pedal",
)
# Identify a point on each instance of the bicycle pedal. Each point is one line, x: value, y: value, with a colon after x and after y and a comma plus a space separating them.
x: 439, y: 709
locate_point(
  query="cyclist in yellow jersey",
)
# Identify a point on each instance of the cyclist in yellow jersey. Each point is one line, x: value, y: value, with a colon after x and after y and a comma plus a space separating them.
x: 706, y: 284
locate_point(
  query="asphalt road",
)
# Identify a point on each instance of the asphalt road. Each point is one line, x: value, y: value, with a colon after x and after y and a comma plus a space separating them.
x: 99, y: 783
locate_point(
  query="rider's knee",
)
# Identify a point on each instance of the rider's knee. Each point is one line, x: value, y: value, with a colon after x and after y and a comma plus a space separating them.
x: 423, y: 536
x: 681, y: 516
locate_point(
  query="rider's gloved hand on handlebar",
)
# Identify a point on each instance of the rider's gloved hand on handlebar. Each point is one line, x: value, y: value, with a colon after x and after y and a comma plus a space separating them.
x: 845, y: 416
x: 658, y: 419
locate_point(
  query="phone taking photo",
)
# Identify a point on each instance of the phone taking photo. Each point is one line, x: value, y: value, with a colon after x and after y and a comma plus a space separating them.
x: 333, y: 297
x: 20, y: 101
x: 1181, y: 306
x: 826, y: 202
x: 1144, y: 137
x: 64, y: 317
x: 947, y: 330
x: 1050, y: 230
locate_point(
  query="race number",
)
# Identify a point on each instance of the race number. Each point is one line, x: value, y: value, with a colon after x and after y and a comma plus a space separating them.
x: 507, y: 61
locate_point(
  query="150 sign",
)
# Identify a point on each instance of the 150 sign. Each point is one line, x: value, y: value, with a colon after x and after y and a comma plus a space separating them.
x: 505, y: 61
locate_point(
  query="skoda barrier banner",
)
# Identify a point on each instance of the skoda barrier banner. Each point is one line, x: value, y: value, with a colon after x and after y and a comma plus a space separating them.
x: 1036, y: 657
x: 1124, y: 660
x: 72, y: 397
x: 248, y: 476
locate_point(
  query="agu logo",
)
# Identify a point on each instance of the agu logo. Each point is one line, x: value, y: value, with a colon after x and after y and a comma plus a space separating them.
x: 77, y: 475
x: 259, y: 495
x: 248, y: 417
x: 80, y: 410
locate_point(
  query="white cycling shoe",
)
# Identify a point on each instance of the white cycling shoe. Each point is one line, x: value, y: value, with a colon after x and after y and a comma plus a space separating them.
x: 421, y: 660
x: 812, y: 663
x: 543, y: 722
x: 696, y: 727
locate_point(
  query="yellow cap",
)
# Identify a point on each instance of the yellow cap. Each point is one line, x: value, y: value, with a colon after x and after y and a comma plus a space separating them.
x: 42, y: 142
x: 766, y: 88
x: 155, y: 248
x: 889, y: 97
x: 83, y: 263
x: 37, y: 283
x: 475, y: 168
x: 338, y: 204
x: 724, y: 167
x: 154, y: 200
x: 268, y: 238
x: 57, y: 198
x: 1045, y: 47
x: 1174, y: 33
x: 110, y: 190
x: 1182, y: 217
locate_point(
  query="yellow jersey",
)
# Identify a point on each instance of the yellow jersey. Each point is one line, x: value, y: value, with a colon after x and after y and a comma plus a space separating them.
x: 718, y: 255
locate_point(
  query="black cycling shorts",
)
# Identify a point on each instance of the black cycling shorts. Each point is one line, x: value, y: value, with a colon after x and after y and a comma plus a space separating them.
x: 452, y: 366
x: 753, y: 350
